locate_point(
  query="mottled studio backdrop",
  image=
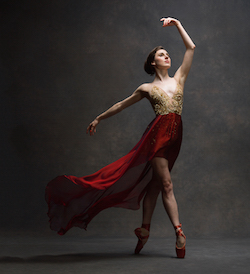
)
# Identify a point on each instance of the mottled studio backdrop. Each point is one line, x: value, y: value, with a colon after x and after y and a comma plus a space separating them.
x: 64, y: 62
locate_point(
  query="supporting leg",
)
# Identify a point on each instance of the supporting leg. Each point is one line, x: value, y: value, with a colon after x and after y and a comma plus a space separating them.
x: 162, y: 174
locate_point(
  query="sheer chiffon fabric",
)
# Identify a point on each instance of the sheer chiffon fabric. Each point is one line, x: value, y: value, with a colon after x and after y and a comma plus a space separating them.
x: 75, y: 201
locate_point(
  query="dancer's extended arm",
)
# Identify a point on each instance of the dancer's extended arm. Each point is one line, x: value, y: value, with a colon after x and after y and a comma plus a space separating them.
x: 116, y: 108
x: 182, y: 73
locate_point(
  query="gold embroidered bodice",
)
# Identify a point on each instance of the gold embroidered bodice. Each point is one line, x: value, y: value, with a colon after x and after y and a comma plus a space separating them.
x: 163, y: 104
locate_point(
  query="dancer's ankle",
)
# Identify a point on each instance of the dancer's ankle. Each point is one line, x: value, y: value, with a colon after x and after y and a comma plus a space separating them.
x: 146, y: 226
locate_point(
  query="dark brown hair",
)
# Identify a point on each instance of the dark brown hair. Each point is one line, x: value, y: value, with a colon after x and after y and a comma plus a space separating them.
x: 148, y: 67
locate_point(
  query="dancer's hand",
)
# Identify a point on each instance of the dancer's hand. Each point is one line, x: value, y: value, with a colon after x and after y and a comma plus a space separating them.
x: 91, y: 129
x: 169, y: 21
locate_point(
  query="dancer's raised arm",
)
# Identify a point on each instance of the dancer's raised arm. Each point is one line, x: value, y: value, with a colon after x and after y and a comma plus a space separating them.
x: 116, y: 108
x: 182, y: 73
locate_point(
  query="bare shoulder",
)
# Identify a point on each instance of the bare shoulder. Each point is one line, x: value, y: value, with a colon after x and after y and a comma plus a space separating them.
x: 144, y: 88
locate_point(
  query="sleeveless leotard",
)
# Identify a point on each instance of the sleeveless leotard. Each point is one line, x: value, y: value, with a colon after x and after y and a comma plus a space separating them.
x: 163, y: 104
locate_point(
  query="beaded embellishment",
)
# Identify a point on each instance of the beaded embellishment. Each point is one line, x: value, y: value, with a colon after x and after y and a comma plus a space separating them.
x: 163, y: 104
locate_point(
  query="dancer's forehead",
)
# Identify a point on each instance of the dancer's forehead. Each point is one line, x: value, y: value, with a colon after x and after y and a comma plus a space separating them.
x: 160, y: 51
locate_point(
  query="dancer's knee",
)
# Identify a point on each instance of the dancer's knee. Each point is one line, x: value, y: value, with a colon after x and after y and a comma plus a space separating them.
x: 167, y: 186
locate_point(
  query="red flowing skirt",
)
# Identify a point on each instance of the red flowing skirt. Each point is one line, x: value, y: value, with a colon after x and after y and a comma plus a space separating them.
x: 74, y: 201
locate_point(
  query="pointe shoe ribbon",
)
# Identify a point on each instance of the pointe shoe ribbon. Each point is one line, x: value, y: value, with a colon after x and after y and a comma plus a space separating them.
x: 138, y: 232
x: 180, y: 251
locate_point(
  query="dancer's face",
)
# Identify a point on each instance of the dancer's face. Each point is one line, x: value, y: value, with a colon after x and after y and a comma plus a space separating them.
x: 162, y: 59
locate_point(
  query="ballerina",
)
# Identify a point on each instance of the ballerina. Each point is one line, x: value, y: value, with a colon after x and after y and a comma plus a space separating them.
x: 145, y: 171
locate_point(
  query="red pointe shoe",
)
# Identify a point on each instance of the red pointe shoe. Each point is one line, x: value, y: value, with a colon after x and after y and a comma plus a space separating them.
x: 142, y: 233
x: 180, y: 251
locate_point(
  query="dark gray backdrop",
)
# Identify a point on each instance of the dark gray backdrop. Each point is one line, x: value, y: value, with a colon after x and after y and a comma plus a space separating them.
x: 63, y: 62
